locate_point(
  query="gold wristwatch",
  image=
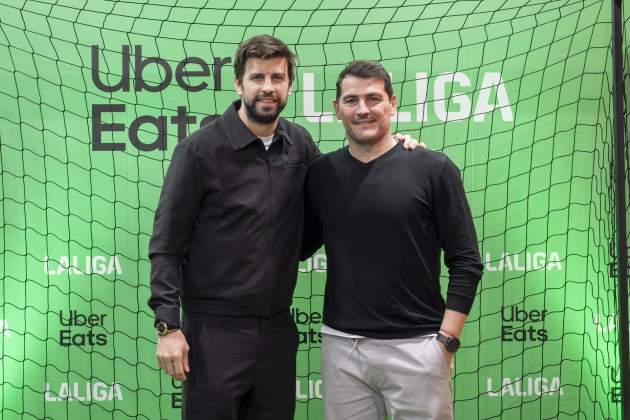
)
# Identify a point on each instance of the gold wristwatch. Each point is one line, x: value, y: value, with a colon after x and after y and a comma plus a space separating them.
x: 162, y: 329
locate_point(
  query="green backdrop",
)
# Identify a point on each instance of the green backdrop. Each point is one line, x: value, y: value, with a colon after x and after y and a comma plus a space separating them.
x: 93, y: 100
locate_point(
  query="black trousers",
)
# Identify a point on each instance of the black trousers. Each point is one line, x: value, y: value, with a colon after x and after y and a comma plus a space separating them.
x: 241, y: 368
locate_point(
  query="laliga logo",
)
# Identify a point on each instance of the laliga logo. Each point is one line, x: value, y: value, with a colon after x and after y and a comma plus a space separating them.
x: 317, y: 263
x: 74, y: 265
x: 605, y: 323
x: 97, y: 391
x: 526, y: 387
x: 310, y: 389
x: 4, y: 328
x: 444, y: 85
x: 531, y: 261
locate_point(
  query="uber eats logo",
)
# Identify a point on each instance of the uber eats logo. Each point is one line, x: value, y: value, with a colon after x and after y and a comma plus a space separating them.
x: 191, y: 74
x: 77, y: 329
x: 176, y: 396
x: 304, y: 320
x: 522, y: 325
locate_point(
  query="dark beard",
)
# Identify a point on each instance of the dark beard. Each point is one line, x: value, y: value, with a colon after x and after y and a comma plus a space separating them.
x: 250, y: 108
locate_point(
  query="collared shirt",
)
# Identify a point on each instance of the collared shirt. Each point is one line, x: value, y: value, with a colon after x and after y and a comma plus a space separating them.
x: 228, y: 225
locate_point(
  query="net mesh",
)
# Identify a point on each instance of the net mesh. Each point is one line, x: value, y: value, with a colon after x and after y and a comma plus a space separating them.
x: 516, y: 92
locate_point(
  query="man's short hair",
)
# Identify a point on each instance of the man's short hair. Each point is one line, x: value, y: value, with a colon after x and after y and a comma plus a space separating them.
x: 263, y: 47
x: 366, y: 69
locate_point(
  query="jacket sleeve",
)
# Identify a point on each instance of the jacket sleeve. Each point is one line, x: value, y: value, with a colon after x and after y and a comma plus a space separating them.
x: 178, y: 206
x: 312, y: 151
x: 458, y: 239
x: 312, y: 239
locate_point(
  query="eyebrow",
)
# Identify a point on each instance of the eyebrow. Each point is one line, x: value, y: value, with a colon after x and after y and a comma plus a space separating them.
x: 369, y: 95
x: 260, y: 73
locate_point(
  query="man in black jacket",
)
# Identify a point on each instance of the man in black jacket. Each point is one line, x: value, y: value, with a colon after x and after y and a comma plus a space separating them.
x: 226, y: 241
x: 385, y: 216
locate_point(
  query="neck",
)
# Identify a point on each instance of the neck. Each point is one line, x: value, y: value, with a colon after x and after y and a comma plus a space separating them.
x: 260, y: 130
x: 368, y: 152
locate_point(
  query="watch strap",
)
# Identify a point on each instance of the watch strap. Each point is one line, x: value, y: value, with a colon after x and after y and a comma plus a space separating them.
x: 450, y: 343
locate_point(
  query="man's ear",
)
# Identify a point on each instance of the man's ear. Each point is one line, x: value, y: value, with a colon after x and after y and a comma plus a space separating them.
x: 394, y: 102
x: 336, y: 106
x: 238, y: 86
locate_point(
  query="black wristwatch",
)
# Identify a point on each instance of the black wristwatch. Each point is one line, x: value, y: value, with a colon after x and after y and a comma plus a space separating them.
x: 162, y: 329
x: 451, y: 343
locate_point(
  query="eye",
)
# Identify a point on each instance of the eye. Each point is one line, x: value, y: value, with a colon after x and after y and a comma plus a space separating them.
x: 256, y: 77
x: 350, y: 100
x: 278, y: 77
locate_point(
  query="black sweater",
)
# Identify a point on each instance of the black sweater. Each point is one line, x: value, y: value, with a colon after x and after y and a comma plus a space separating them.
x: 384, y: 225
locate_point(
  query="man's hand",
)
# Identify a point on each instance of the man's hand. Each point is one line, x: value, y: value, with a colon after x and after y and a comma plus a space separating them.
x: 408, y: 142
x: 172, y: 355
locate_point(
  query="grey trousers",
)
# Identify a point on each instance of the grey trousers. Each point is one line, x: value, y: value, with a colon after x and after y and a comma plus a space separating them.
x: 368, y: 379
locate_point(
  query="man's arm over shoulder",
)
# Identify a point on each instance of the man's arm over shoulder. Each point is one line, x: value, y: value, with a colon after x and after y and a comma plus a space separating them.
x: 180, y: 199
x: 457, y: 236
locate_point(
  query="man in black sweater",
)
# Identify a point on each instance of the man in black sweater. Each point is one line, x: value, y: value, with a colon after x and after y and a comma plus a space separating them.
x: 385, y: 215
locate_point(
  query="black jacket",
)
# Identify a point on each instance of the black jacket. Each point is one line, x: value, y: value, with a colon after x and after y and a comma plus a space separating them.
x: 228, y: 226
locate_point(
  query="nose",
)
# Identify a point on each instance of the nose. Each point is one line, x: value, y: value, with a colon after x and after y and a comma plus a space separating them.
x: 362, y: 108
x: 267, y: 86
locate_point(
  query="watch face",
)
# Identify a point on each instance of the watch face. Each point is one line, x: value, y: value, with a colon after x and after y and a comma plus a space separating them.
x: 452, y: 345
x: 161, y: 327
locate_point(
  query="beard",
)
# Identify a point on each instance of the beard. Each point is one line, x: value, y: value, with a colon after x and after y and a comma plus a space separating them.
x: 260, y: 118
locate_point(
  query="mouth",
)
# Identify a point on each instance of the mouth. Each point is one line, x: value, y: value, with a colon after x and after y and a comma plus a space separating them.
x: 267, y: 100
